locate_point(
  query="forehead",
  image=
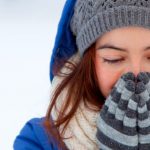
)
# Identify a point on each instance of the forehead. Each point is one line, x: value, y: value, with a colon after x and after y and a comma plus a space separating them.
x: 126, y: 37
x: 127, y: 31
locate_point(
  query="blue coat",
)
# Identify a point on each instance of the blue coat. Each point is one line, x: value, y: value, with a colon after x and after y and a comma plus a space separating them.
x: 33, y: 136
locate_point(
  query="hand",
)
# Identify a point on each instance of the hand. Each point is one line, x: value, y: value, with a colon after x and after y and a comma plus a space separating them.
x: 143, y: 90
x: 116, y: 124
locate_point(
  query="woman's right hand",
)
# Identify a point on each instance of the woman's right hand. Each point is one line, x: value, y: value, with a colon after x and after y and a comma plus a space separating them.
x: 117, y: 122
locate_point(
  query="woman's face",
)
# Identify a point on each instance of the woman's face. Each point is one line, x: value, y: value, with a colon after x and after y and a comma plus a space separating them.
x: 119, y: 51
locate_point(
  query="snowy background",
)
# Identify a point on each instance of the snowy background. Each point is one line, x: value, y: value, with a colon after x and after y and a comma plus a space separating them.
x: 27, y: 33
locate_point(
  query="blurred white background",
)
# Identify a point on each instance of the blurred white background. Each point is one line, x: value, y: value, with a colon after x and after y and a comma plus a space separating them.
x: 27, y: 34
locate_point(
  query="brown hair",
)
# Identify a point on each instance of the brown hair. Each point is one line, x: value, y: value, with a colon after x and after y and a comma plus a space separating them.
x: 81, y: 82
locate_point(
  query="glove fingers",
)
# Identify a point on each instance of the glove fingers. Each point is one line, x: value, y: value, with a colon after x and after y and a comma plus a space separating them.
x: 148, y: 73
x: 123, y: 102
x: 145, y: 78
x: 130, y: 118
x: 142, y: 90
x: 144, y: 97
x: 114, y: 97
x: 128, y: 76
x: 126, y: 111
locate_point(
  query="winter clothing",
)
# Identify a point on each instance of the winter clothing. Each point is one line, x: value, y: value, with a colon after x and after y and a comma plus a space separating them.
x: 143, y: 90
x: 92, y: 18
x: 117, y: 121
x: 124, y: 121
x: 34, y: 137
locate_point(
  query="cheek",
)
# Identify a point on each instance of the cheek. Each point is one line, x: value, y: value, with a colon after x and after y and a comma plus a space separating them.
x: 107, y: 78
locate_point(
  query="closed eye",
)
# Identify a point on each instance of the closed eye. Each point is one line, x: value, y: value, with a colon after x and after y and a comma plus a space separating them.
x: 115, y: 61
x: 112, y: 61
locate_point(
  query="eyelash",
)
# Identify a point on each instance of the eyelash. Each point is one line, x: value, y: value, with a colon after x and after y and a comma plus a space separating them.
x: 114, y: 61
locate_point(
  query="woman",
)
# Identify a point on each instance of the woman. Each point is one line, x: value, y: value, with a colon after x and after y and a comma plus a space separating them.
x: 100, y: 78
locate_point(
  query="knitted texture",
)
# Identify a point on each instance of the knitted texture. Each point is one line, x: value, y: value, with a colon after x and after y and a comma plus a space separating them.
x: 117, y: 121
x: 92, y: 18
x: 124, y: 121
x: 143, y: 90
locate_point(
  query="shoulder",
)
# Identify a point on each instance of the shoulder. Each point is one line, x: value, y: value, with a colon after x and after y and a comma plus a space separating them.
x: 34, y: 136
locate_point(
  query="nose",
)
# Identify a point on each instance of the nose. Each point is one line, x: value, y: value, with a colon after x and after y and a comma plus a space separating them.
x: 135, y: 68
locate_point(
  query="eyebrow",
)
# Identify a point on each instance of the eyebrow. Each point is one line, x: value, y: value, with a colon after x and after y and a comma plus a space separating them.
x: 117, y: 48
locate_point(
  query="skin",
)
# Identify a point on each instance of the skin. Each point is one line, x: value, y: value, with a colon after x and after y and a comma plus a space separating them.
x: 134, y: 58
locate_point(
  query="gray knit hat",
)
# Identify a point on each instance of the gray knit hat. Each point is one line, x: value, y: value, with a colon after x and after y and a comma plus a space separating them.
x: 92, y: 18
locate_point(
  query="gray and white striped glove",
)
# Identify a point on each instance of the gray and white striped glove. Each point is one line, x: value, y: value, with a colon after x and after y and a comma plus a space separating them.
x: 117, y: 122
x: 143, y: 90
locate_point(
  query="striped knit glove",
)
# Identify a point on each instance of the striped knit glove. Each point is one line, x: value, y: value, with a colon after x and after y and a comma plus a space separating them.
x: 117, y: 122
x: 143, y: 90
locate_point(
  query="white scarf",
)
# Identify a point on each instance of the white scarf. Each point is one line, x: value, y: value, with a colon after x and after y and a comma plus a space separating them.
x: 82, y: 127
